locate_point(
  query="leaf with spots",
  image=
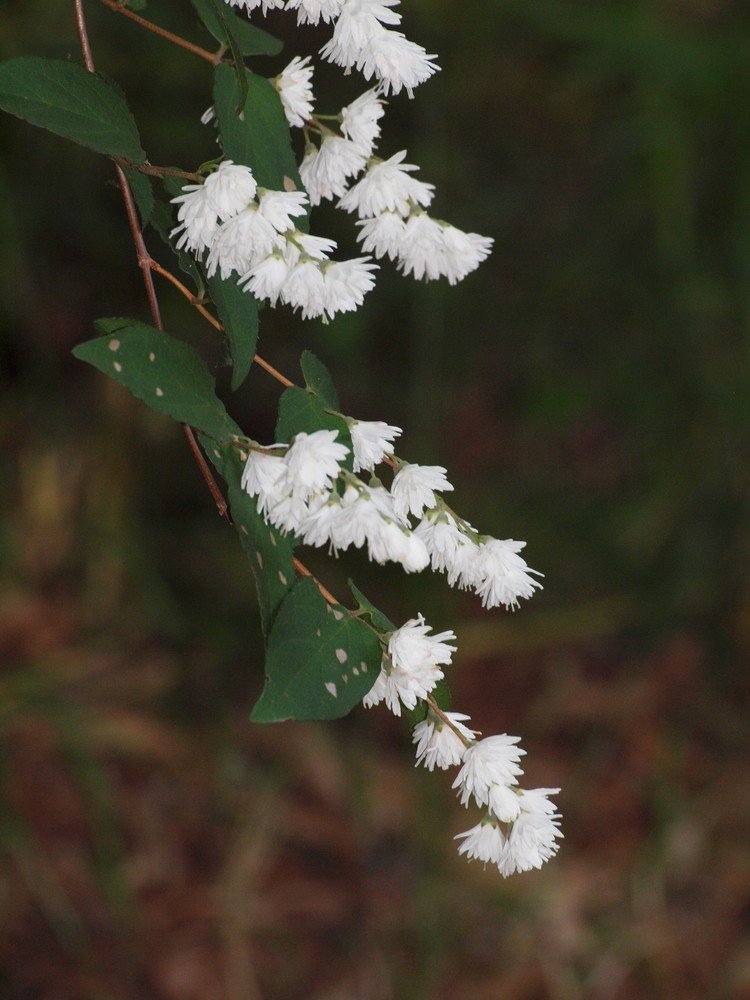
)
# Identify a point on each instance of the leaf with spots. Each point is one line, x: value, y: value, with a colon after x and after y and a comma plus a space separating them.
x: 269, y: 552
x: 318, y: 380
x: 301, y: 410
x: 165, y: 373
x: 64, y: 98
x: 320, y: 661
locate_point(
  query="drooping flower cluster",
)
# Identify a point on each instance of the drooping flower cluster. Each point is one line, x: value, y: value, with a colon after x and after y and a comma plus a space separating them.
x: 344, y: 511
x: 521, y: 828
x: 248, y: 231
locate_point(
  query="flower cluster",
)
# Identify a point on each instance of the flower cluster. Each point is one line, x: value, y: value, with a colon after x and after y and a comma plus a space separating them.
x: 248, y: 231
x: 521, y: 828
x: 343, y: 511
x: 363, y: 37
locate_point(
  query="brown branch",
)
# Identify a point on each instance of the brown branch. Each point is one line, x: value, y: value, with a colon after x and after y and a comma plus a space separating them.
x: 434, y: 707
x: 119, y: 7
x: 301, y: 568
x: 144, y: 262
x: 152, y: 171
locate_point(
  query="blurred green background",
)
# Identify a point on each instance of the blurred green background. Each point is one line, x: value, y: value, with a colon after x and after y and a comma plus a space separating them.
x: 588, y: 389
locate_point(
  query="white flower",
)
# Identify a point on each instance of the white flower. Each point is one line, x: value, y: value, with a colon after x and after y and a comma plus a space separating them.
x: 198, y: 221
x: 387, y: 186
x: 357, y: 23
x: 492, y: 761
x: 422, y: 251
x: 412, y: 648
x: 230, y: 189
x: 294, y: 85
x: 532, y: 840
x: 463, y: 252
x: 241, y: 243
x: 501, y: 575
x: 280, y: 207
x: 305, y: 289
x: 325, y: 171
x: 346, y: 284
x: 383, y: 235
x: 396, y: 61
x: 262, y: 473
x: 484, y: 842
x: 267, y: 278
x: 319, y: 527
x: 437, y: 744
x: 250, y: 5
x: 377, y: 692
x: 314, y: 246
x: 359, y: 121
x: 360, y: 519
x: 313, y: 462
x: 372, y: 441
x: 414, y: 488
x: 440, y: 533
x: 313, y: 11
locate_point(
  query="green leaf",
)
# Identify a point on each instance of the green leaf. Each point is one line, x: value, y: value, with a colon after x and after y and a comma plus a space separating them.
x: 269, y: 551
x: 252, y: 41
x: 165, y: 373
x: 377, y: 618
x: 142, y: 192
x: 320, y: 662
x: 301, y: 410
x: 318, y: 380
x: 238, y: 312
x: 216, y: 10
x: 69, y: 101
x: 259, y: 136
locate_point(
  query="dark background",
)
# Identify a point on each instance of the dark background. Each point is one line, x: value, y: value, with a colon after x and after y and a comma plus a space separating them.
x: 587, y: 388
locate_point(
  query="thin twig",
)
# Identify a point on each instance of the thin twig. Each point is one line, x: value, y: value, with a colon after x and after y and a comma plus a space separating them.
x: 434, y: 707
x: 144, y: 262
x: 213, y: 57
x: 185, y: 291
x: 152, y: 171
x: 301, y: 568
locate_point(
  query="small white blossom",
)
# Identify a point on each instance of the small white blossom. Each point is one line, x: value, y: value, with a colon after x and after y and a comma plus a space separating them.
x: 198, y: 221
x: 314, y: 246
x: 387, y: 186
x: 305, y: 289
x: 372, y: 441
x: 502, y: 575
x: 492, y: 761
x: 412, y: 647
x: 251, y: 5
x: 294, y: 85
x: 346, y: 284
x: 440, y: 533
x: 532, y: 840
x: 230, y: 189
x: 325, y: 171
x: 377, y: 692
x: 396, y: 61
x: 359, y: 121
x: 422, y: 252
x: 319, y: 527
x: 241, y: 243
x: 414, y: 488
x: 383, y: 235
x: 483, y: 842
x: 314, y: 11
x: 267, y: 278
x: 280, y: 207
x: 313, y: 462
x: 262, y: 473
x: 437, y: 744
x: 464, y: 252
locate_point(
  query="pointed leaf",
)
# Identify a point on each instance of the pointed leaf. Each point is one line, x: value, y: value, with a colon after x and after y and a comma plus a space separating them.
x: 320, y: 661
x: 251, y: 40
x: 318, y: 380
x: 378, y: 619
x: 238, y: 312
x: 269, y: 552
x: 259, y: 136
x: 71, y: 102
x: 165, y: 373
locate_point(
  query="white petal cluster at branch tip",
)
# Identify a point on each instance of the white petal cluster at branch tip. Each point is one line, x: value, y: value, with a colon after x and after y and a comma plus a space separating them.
x: 294, y: 85
x: 438, y: 745
x: 362, y: 40
x: 411, y: 668
x: 372, y: 441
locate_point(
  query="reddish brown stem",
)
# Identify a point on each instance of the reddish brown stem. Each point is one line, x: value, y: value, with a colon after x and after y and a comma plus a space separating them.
x: 213, y: 57
x: 301, y: 568
x: 144, y: 262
